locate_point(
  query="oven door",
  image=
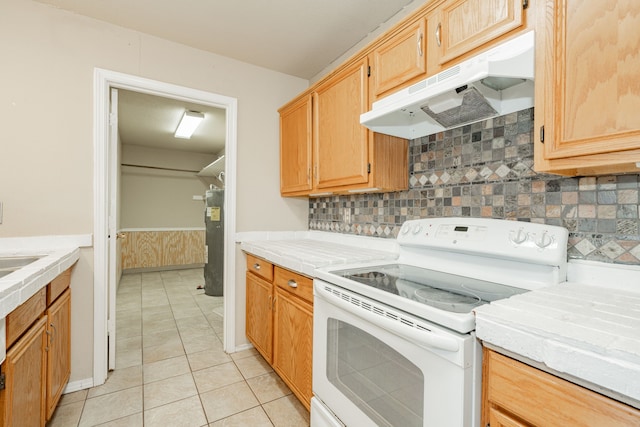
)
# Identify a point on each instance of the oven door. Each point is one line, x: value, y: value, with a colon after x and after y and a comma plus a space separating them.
x: 376, y: 366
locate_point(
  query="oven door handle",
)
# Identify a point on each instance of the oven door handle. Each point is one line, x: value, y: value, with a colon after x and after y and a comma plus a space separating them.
x: 425, y: 339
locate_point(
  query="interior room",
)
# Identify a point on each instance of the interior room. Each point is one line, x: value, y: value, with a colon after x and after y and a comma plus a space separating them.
x: 399, y: 212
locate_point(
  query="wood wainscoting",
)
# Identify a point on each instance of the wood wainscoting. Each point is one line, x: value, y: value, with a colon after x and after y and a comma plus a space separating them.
x: 162, y: 248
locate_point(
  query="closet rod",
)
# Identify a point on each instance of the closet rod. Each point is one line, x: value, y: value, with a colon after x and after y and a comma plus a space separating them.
x: 159, y: 168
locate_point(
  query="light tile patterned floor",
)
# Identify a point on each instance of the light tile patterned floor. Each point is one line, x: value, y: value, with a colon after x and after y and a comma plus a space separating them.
x: 171, y: 369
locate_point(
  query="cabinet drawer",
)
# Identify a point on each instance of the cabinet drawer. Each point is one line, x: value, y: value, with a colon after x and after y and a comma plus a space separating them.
x: 260, y: 267
x: 24, y: 315
x: 58, y: 286
x: 297, y: 284
x: 546, y: 400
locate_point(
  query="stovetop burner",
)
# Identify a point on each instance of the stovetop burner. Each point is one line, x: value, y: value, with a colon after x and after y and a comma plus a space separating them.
x: 450, y: 292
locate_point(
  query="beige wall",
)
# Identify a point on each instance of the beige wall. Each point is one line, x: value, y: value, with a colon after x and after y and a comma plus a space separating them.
x: 46, y: 162
x: 157, y: 198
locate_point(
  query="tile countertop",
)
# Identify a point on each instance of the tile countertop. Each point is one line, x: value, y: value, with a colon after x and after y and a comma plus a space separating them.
x: 586, y: 330
x: 58, y: 253
x: 305, y: 251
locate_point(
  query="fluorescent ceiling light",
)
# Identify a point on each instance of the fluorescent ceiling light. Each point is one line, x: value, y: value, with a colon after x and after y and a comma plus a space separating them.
x: 188, y: 124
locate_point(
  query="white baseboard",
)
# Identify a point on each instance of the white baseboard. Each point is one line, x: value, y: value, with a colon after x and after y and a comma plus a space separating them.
x: 78, y: 385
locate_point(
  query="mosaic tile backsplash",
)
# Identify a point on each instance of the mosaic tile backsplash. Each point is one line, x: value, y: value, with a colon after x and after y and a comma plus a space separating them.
x: 485, y: 170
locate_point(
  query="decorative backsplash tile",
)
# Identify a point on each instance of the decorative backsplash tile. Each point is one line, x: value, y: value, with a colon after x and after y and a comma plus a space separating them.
x: 485, y: 170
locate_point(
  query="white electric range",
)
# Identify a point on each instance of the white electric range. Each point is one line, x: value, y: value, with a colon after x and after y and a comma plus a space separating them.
x: 394, y: 342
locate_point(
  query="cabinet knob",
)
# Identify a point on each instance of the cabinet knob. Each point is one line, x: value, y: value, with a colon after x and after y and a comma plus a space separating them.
x: 292, y: 283
x: 256, y: 266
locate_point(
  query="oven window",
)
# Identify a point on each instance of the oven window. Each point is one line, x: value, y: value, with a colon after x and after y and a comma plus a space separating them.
x: 383, y: 383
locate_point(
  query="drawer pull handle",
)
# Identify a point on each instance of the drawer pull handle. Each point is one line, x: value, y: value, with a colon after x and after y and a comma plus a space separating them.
x: 256, y: 266
x: 292, y: 283
x: 438, y: 39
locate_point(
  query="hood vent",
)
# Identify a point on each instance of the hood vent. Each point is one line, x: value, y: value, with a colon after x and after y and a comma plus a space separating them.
x: 496, y: 82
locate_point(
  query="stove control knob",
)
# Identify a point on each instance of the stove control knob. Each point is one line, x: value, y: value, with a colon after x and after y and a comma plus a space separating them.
x: 417, y: 229
x: 544, y: 240
x: 405, y: 229
x: 518, y: 237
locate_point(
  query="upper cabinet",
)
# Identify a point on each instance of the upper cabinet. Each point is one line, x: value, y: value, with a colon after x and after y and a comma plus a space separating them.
x: 399, y: 59
x: 587, y: 90
x: 296, y: 146
x: 325, y: 150
x: 341, y: 149
x: 464, y: 25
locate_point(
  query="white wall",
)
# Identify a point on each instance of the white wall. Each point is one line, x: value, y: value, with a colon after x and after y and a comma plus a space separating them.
x: 46, y: 162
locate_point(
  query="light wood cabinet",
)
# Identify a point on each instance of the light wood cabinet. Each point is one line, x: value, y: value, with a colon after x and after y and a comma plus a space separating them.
x: 341, y: 149
x: 59, y: 353
x: 23, y: 399
x: 38, y: 362
x: 259, y: 327
x: 293, y: 332
x: 518, y: 395
x: 259, y: 305
x: 465, y: 25
x: 587, y: 91
x: 399, y: 59
x: 345, y: 156
x: 296, y: 147
x: 280, y: 322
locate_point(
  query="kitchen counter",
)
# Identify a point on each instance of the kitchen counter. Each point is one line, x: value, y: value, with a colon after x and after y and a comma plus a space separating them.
x: 303, y: 252
x: 586, y: 330
x: 58, y: 253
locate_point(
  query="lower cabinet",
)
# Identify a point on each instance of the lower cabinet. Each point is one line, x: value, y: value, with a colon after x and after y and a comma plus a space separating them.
x: 293, y: 332
x: 59, y: 352
x: 23, y: 400
x: 518, y: 395
x: 279, y: 322
x: 259, y: 325
x: 38, y: 362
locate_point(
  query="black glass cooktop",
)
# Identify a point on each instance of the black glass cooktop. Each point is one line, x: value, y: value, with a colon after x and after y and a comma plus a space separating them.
x: 445, y: 291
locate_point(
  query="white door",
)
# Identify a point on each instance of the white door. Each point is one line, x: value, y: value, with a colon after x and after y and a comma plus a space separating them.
x: 113, y: 258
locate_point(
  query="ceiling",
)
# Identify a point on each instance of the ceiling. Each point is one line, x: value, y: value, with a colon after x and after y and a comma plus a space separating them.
x: 296, y: 37
x: 151, y: 121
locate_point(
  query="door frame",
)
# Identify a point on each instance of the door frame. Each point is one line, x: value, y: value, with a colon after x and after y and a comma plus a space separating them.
x: 104, y: 80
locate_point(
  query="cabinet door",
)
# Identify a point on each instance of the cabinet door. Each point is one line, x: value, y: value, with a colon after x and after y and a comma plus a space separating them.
x: 296, y: 147
x: 22, y: 402
x: 468, y: 24
x: 587, y: 96
x: 59, y: 354
x: 259, y: 322
x: 341, y: 145
x: 399, y: 59
x: 293, y: 344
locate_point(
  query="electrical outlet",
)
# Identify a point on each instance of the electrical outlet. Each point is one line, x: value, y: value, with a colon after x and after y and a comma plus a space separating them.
x: 0, y: 212
x: 346, y: 215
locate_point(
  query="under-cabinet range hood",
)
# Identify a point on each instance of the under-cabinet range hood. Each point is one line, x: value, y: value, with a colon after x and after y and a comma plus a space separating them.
x: 493, y: 83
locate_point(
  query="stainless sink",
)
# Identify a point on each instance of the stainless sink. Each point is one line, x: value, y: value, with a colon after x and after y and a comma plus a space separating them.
x: 10, y: 264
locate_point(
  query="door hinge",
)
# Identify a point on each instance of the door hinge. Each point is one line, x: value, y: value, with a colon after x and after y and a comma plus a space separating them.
x: 368, y: 167
x: 542, y: 134
x: 368, y: 70
x: 2, y: 381
x: 525, y: 4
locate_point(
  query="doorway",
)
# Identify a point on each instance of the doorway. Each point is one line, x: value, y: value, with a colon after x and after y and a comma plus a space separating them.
x: 105, y: 201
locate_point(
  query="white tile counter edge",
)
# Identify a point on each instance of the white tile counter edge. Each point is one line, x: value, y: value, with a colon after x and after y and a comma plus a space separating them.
x: 287, y: 249
x: 58, y: 254
x: 375, y: 243
x: 618, y: 378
